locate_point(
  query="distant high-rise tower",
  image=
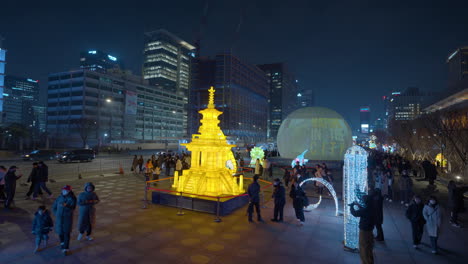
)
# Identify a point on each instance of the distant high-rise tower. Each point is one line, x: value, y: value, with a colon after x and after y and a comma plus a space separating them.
x: 365, y: 119
x: 2, y: 78
x: 305, y: 98
x: 96, y: 60
x: 458, y: 69
x: 166, y: 61
x: 283, y: 92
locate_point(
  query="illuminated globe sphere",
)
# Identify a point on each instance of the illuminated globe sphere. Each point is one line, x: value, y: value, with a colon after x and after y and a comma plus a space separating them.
x: 321, y: 131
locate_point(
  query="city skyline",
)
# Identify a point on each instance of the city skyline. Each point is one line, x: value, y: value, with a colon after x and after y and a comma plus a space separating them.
x: 385, y: 50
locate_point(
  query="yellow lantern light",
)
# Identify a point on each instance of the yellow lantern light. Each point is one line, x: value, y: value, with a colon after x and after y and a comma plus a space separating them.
x: 212, y: 162
x: 441, y: 159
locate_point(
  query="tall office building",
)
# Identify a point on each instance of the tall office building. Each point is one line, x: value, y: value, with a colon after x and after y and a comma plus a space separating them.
x: 96, y: 60
x: 305, y: 98
x: 242, y: 92
x: 365, y: 118
x: 457, y: 63
x: 20, y: 96
x: 408, y: 105
x: 2, y: 78
x: 166, y: 61
x: 124, y: 107
x: 282, y: 95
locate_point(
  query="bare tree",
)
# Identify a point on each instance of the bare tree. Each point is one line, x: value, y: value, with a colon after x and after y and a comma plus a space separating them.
x: 85, y: 127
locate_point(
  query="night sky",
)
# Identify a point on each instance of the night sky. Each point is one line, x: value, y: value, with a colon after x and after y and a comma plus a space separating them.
x: 349, y: 52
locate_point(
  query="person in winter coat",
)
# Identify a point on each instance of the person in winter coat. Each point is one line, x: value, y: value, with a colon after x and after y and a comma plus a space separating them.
x: 34, y: 180
x: 377, y: 208
x: 406, y: 187
x: 10, y: 184
x: 140, y: 164
x: 254, y: 195
x: 178, y: 167
x: 279, y: 196
x: 319, y: 174
x: 156, y: 173
x: 266, y: 168
x: 286, y: 177
x: 258, y: 167
x: 299, y: 201
x: 414, y: 213
x: 63, y: 209
x: 134, y: 163
x: 42, y: 225
x: 87, y: 216
x: 433, y: 215
x: 148, y: 169
x: 366, y: 225
x: 43, y: 178
x: 455, y: 202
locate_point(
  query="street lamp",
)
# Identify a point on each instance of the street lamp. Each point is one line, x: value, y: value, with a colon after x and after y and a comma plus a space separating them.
x: 108, y: 100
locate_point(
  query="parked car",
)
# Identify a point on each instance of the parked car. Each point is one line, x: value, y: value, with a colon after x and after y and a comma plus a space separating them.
x: 40, y: 155
x: 77, y: 155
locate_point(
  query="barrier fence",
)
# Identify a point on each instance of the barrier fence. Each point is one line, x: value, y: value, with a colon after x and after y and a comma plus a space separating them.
x: 181, y: 194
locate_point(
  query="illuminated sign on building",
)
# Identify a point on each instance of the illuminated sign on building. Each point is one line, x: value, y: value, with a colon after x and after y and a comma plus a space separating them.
x: 92, y: 52
x: 365, y: 128
x: 112, y: 58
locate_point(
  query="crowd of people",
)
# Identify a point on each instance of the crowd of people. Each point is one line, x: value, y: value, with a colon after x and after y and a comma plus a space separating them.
x: 390, y: 179
x: 63, y: 207
x: 164, y: 164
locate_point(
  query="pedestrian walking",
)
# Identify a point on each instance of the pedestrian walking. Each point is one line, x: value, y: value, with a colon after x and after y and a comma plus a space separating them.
x: 43, y: 178
x: 366, y: 225
x: 414, y: 213
x: 433, y: 216
x: 63, y: 209
x: 254, y: 195
x: 377, y: 208
x: 455, y: 202
x: 134, y: 163
x: 406, y: 187
x: 34, y: 180
x: 3, y: 171
x: 11, y: 177
x: 156, y: 173
x: 279, y: 196
x: 87, y: 212
x: 42, y: 225
x: 299, y: 201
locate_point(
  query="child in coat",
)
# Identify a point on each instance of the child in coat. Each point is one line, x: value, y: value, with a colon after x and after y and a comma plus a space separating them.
x: 42, y: 225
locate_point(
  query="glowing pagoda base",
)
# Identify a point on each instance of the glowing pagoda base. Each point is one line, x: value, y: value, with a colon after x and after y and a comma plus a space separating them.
x: 207, y: 205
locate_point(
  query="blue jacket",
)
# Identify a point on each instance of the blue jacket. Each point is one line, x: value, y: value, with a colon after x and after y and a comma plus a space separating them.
x: 42, y: 223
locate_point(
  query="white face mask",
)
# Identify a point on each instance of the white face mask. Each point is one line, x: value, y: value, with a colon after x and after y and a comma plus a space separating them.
x: 432, y: 202
x: 64, y: 192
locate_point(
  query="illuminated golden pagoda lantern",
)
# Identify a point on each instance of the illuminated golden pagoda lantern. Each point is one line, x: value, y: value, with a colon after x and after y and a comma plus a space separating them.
x: 213, y: 164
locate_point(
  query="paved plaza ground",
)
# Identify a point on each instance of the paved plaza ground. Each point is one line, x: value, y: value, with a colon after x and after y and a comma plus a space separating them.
x: 126, y: 233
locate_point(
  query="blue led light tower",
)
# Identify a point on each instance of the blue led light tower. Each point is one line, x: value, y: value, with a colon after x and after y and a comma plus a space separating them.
x: 354, y: 185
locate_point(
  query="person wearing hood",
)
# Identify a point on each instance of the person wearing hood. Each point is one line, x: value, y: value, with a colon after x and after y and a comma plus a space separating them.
x: 87, y: 216
x: 63, y: 209
x: 42, y: 224
x: 279, y: 196
x: 433, y: 215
